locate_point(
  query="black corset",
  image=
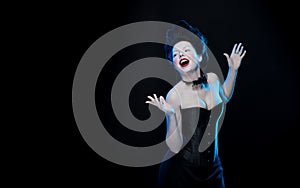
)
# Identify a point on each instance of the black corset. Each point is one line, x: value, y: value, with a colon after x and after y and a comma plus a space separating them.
x: 195, y: 124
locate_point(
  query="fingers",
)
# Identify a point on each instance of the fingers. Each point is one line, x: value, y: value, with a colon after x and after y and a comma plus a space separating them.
x: 226, y: 55
x: 156, y: 99
x: 161, y: 104
x: 153, y: 101
x: 243, y: 54
x: 233, y: 50
x: 149, y: 102
x: 151, y: 98
x: 162, y: 100
x: 241, y: 50
x: 238, y: 48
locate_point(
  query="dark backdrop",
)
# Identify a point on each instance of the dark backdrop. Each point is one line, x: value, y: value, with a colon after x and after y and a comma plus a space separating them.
x: 258, y: 140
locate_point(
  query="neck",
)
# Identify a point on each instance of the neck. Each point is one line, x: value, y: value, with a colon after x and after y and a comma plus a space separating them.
x: 192, y: 75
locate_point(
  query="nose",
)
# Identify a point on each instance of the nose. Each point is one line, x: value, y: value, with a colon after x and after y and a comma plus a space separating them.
x: 181, y: 54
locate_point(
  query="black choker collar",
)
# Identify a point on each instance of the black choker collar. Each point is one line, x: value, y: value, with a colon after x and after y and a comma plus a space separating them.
x: 202, y: 80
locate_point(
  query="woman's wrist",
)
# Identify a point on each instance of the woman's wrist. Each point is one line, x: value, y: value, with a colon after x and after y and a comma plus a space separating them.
x: 170, y: 112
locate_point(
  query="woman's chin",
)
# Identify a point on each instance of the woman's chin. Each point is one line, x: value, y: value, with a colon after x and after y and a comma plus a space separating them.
x: 185, y: 69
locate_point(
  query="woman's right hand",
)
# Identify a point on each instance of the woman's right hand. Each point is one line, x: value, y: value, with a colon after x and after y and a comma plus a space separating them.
x: 161, y: 104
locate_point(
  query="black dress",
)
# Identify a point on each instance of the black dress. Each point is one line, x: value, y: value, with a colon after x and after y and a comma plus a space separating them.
x: 191, y: 168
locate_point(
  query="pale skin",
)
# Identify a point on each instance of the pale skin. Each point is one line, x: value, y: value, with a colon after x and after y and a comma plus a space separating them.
x: 186, y: 62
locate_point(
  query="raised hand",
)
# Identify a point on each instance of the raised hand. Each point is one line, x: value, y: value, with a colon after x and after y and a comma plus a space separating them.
x: 237, y: 54
x: 161, y: 104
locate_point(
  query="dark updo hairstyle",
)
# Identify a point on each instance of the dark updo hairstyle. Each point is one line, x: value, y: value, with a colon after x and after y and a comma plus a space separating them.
x: 174, y: 36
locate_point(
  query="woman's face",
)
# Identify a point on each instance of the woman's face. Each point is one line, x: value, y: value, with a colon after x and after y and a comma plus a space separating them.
x: 185, y: 57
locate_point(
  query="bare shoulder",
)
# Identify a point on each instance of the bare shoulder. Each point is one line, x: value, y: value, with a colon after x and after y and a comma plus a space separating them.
x: 173, y: 97
x: 212, y: 77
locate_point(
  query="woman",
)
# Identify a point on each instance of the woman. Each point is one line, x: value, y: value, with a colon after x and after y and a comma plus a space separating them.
x: 188, y: 108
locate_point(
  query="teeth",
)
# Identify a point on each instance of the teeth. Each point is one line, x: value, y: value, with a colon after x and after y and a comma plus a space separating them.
x: 184, y: 61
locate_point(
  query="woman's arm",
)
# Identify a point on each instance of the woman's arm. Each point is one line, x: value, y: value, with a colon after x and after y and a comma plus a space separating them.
x: 174, y: 123
x: 171, y: 107
x: 229, y: 83
x: 234, y: 62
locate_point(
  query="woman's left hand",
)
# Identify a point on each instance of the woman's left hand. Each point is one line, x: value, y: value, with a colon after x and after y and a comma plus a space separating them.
x: 237, y: 54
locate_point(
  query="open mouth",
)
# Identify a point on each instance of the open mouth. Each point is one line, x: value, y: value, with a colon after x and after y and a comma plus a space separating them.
x: 184, y: 62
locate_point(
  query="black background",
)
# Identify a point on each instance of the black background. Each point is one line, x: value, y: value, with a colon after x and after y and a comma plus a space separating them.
x: 258, y: 140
